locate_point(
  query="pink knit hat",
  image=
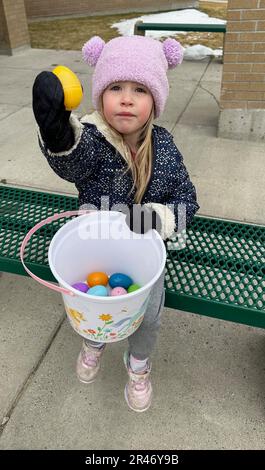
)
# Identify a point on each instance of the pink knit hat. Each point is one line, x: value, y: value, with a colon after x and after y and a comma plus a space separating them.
x: 134, y: 58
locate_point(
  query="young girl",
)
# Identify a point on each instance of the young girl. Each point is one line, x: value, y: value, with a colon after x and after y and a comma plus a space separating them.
x: 118, y: 152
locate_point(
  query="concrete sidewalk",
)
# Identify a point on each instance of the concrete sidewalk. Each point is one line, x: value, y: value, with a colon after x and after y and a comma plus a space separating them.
x: 208, y: 375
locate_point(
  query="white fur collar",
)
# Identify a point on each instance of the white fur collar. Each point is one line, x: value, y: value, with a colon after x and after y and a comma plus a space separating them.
x: 96, y: 119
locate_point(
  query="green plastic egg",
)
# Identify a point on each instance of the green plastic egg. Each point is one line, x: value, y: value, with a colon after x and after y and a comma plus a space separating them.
x: 133, y: 287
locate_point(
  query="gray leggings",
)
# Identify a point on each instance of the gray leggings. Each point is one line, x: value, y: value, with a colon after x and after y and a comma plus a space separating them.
x: 142, y: 342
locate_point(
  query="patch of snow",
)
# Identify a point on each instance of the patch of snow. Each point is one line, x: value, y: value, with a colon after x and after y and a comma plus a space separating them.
x: 190, y: 15
x: 199, y: 52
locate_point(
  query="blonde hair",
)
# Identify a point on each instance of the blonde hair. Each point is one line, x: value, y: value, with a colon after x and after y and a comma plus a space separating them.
x: 141, y: 165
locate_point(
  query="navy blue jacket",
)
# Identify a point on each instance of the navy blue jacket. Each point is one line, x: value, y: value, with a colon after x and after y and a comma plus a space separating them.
x: 98, y: 170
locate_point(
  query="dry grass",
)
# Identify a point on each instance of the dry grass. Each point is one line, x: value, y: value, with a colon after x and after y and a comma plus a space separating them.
x: 213, y: 40
x: 72, y: 33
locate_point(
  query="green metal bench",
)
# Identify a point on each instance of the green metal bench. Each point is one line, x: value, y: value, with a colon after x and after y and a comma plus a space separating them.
x: 220, y: 273
x: 140, y: 27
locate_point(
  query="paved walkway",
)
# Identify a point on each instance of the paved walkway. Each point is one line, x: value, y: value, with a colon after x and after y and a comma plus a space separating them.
x: 208, y: 375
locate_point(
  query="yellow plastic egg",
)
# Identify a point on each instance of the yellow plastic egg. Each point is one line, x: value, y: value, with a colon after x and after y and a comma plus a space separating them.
x: 73, y: 93
x: 97, y: 279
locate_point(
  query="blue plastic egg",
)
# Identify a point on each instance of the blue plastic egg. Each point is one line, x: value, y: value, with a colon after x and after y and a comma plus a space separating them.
x: 120, y: 280
x: 98, y: 290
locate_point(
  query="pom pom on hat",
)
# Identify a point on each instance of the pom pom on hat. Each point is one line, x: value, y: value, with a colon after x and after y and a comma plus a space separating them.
x: 173, y: 52
x: 92, y: 49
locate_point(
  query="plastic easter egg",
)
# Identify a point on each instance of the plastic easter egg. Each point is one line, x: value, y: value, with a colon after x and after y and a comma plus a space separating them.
x: 120, y: 280
x: 97, y: 278
x: 100, y: 291
x: 118, y: 291
x: 133, y: 288
x: 73, y: 92
x: 81, y: 286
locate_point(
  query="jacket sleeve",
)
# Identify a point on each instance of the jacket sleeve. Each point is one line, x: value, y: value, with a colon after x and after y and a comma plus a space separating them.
x: 79, y: 161
x: 181, y: 201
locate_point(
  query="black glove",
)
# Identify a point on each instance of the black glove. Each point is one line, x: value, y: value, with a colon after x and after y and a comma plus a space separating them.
x: 50, y: 113
x: 140, y: 219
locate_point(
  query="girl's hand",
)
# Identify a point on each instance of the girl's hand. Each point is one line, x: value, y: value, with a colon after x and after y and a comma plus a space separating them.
x: 50, y: 113
x: 141, y: 219
x: 48, y: 100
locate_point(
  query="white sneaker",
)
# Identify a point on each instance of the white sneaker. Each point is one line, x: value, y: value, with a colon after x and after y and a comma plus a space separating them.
x: 88, y: 363
x: 138, y: 390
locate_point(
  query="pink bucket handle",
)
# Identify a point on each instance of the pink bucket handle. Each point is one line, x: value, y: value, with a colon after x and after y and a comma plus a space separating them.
x: 60, y: 215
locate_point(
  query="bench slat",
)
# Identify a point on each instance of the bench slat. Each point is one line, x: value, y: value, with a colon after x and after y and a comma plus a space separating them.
x: 211, y: 28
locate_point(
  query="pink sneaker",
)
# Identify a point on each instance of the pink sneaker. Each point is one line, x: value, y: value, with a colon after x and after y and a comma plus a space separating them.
x: 138, y: 391
x: 88, y: 363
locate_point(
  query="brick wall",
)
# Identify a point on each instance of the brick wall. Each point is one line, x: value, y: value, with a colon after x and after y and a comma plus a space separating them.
x: 48, y: 8
x: 243, y: 80
x: 13, y: 26
x: 3, y: 28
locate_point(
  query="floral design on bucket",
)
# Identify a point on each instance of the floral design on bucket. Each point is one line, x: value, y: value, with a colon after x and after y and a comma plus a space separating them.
x: 109, y: 330
x: 119, y: 330
x: 106, y: 317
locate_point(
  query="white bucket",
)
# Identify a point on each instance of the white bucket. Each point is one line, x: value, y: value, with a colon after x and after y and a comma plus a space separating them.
x: 101, y: 241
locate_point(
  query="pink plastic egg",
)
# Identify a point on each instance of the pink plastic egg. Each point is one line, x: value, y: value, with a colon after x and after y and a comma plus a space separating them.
x: 118, y: 291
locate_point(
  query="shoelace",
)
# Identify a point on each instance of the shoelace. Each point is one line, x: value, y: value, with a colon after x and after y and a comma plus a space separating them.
x: 89, y: 359
x: 140, y: 385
